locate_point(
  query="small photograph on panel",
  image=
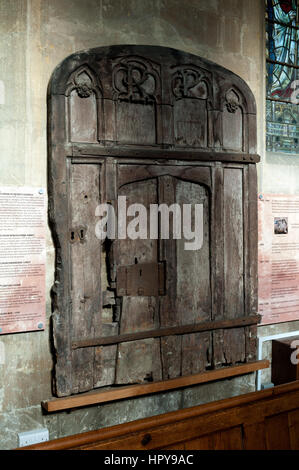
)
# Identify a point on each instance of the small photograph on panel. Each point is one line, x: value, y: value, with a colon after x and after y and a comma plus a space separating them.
x: 281, y: 226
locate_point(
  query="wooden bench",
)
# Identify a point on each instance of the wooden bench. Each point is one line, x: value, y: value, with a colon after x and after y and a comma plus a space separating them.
x: 264, y: 420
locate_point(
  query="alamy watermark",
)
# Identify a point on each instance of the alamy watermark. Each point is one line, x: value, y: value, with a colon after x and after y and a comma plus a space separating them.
x: 295, y: 354
x: 152, y: 223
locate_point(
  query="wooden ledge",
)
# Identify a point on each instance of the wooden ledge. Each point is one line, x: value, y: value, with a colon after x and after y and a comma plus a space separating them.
x: 120, y: 393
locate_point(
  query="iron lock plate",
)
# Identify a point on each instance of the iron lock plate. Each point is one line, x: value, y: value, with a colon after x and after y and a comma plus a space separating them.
x: 147, y: 279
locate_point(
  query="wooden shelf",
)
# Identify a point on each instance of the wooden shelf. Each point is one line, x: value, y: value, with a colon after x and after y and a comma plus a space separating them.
x: 120, y: 393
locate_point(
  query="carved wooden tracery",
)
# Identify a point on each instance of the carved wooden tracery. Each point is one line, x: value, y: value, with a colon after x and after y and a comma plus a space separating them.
x: 158, y: 126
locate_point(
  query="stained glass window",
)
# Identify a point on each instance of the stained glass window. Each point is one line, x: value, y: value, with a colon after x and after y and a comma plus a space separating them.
x: 282, y: 36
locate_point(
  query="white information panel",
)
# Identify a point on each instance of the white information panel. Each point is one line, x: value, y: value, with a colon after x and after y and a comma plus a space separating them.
x: 278, y: 258
x: 22, y: 259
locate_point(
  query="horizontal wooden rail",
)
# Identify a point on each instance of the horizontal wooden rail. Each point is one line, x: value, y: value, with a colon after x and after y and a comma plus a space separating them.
x: 159, y: 333
x: 133, y: 151
x: 93, y: 398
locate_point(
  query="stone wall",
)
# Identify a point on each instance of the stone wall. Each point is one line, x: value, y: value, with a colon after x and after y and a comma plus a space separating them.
x: 35, y: 35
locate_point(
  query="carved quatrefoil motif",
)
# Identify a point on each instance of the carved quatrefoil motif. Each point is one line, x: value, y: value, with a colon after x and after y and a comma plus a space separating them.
x: 84, y: 82
x: 232, y: 101
x: 135, y: 81
x: 83, y: 85
x: 189, y: 83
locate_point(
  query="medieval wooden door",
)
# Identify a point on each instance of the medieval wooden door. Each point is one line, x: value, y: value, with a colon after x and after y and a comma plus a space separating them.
x: 151, y: 127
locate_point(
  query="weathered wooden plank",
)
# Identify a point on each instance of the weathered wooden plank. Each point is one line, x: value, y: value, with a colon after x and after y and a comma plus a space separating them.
x: 246, y: 238
x: 167, y: 124
x: 109, y: 182
x: 233, y: 243
x: 215, y: 129
x: 232, y: 130
x: 83, y: 118
x: 251, y: 259
x: 251, y: 342
x: 58, y: 216
x: 196, y: 353
x: 217, y: 243
x: 190, y: 123
x: 105, y: 358
x: 131, y: 369
x: 251, y: 134
x: 82, y: 362
x: 193, y: 255
x: 86, y: 270
x: 193, y: 277
x: 252, y: 288
x: 229, y: 347
x: 109, y: 196
x: 136, y: 123
x: 109, y: 119
x: 171, y: 357
x: 169, y: 316
x: 138, y: 313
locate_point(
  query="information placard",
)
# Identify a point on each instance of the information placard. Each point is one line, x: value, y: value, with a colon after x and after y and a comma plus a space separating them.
x: 22, y: 259
x: 278, y: 258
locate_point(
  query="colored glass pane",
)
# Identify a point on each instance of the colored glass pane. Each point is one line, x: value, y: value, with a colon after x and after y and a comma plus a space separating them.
x: 280, y: 81
x: 282, y: 127
x: 282, y: 11
x: 282, y: 36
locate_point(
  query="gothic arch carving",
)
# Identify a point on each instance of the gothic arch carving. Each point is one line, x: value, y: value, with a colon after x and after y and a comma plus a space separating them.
x: 234, y: 122
x: 85, y: 82
x: 85, y: 106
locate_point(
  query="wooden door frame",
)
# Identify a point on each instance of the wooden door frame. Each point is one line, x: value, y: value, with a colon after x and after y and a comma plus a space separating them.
x: 108, y: 152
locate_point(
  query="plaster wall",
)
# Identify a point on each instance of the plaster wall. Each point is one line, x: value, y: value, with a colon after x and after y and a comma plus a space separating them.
x: 35, y: 35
